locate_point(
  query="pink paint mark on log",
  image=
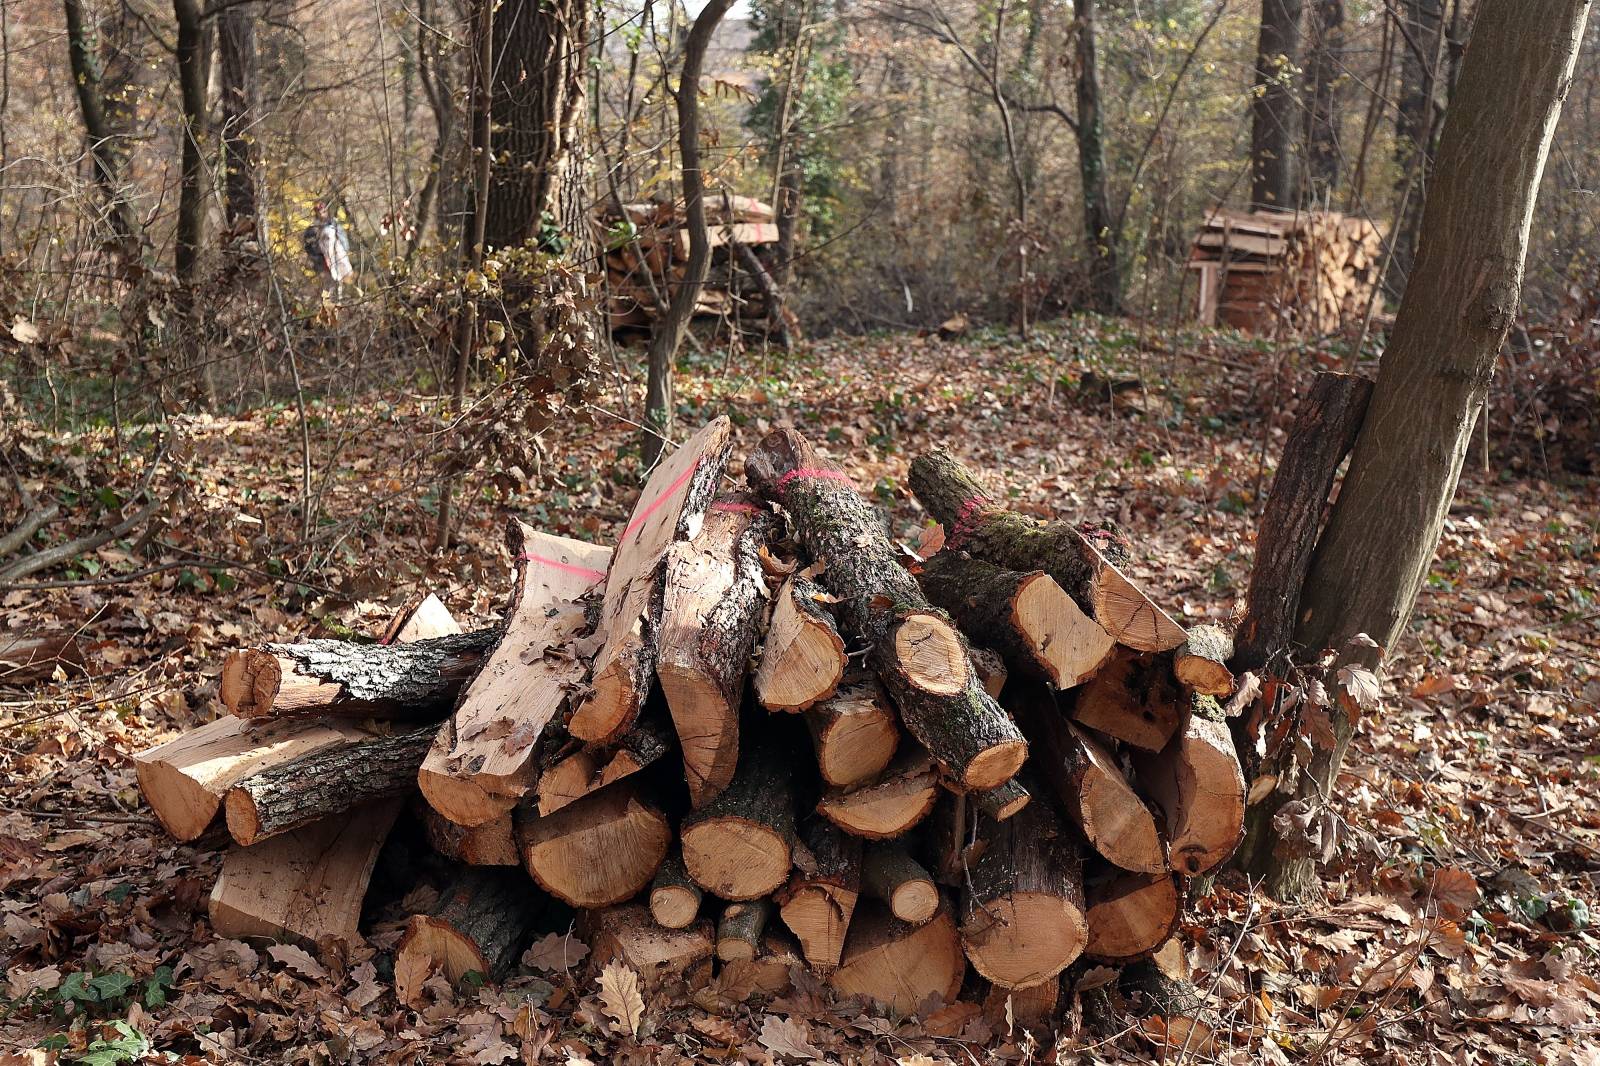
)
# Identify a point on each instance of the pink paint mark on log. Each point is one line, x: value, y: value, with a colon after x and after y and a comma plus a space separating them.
x: 557, y: 564
x: 641, y: 517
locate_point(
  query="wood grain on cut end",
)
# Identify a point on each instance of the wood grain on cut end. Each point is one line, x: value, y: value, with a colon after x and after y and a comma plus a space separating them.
x: 898, y: 800
x: 443, y: 947
x: 629, y: 934
x: 674, y: 897
x: 1130, y: 914
x: 740, y: 930
x: 734, y: 858
x: 890, y: 874
x: 994, y: 766
x: 1068, y: 645
x: 250, y: 681
x: 1024, y: 938
x: 1200, y: 788
x: 853, y: 732
x: 898, y: 965
x: 611, y: 707
x: 1134, y: 699
x: 708, y: 730
x: 931, y: 654
x: 1003, y: 802
x: 802, y: 656
x: 1202, y: 661
x: 597, y: 851
x: 1117, y: 822
x: 490, y: 844
x: 1131, y: 617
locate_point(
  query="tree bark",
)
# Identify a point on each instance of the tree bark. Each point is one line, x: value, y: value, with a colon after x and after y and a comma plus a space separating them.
x: 740, y: 929
x: 1101, y: 231
x: 1274, y: 112
x: 596, y: 851
x: 1323, y: 111
x: 482, y: 922
x: 891, y: 875
x: 241, y: 119
x: 84, y: 54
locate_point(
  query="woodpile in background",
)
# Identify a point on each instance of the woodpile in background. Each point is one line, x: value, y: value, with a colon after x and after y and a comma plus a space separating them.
x: 1312, y: 272
x: 754, y: 731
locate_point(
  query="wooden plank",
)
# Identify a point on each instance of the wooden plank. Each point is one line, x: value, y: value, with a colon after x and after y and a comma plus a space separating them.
x: 743, y: 232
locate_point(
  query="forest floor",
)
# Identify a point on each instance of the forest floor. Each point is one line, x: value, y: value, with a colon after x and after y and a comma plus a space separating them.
x: 1456, y: 924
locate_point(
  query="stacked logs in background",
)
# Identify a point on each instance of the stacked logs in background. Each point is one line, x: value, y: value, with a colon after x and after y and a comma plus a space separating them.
x: 753, y: 730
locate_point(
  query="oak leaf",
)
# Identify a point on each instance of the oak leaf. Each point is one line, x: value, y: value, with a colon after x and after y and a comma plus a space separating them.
x: 621, y: 999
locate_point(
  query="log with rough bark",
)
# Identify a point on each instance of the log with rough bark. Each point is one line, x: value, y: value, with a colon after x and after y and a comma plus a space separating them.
x: 853, y: 732
x: 307, y: 884
x: 713, y: 590
x: 901, y: 797
x: 890, y: 874
x: 974, y: 523
x: 1026, y: 617
x: 1130, y: 914
x: 1003, y: 802
x: 322, y: 783
x: 1023, y: 910
x: 323, y: 678
x: 739, y: 845
x: 490, y: 844
x: 918, y: 654
x: 484, y: 759
x: 899, y: 965
x: 802, y: 655
x: 670, y: 510
x: 596, y: 851
x: 1202, y: 661
x: 992, y: 672
x: 422, y: 620
x: 589, y: 769
x: 1033, y: 1009
x: 1197, y: 782
x: 1133, y: 698
x: 481, y: 923
x: 674, y: 897
x: 821, y: 896
x: 628, y: 934
x: 740, y: 929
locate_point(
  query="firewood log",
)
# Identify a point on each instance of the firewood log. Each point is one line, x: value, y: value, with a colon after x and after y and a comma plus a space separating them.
x: 899, y: 965
x: 629, y: 934
x: 890, y: 874
x: 802, y: 656
x: 1133, y: 698
x: 322, y: 678
x: 740, y: 929
x: 900, y: 798
x: 588, y: 769
x: 1033, y: 1008
x: 323, y: 783
x: 596, y: 851
x: 992, y: 672
x: 821, y: 895
x: 482, y: 922
x: 669, y: 510
x: 484, y: 759
x: 853, y: 732
x: 1130, y: 914
x: 1202, y: 661
x: 428, y: 617
x: 919, y: 655
x: 739, y: 845
x: 1197, y: 782
x: 1023, y: 911
x: 712, y: 594
x: 490, y: 844
x: 1003, y: 802
x: 674, y: 897
x: 1026, y: 617
x: 974, y: 523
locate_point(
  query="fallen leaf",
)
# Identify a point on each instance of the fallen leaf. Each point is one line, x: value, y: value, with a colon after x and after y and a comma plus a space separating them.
x: 367, y: 988
x: 497, y: 1052
x: 556, y: 951
x: 620, y: 996
x: 298, y: 960
x: 410, y: 974
x: 21, y: 982
x: 787, y: 1037
x: 1454, y: 890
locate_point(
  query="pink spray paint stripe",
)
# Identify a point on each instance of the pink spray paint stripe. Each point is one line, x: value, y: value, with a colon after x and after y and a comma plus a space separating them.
x: 581, y: 571
x: 826, y: 475
x: 737, y: 508
x: 959, y: 530
x: 655, y: 504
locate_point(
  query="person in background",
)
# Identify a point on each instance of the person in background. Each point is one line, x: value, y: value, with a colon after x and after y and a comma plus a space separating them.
x: 328, y: 248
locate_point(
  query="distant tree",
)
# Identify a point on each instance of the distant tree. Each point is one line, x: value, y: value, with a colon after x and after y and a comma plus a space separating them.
x: 1417, y: 116
x: 1324, y: 79
x: 241, y: 117
x: 1274, y: 112
x: 83, y: 53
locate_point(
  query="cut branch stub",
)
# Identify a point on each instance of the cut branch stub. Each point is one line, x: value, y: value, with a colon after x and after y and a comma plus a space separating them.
x: 890, y: 874
x: 802, y: 656
x: 674, y: 897
x: 1202, y: 661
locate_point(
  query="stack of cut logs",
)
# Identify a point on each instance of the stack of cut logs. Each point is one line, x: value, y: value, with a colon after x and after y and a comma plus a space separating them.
x: 756, y: 730
x: 1309, y: 272
x: 648, y: 251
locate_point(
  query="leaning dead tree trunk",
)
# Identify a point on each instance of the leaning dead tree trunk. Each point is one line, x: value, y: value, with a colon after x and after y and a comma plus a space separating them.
x: 1274, y: 113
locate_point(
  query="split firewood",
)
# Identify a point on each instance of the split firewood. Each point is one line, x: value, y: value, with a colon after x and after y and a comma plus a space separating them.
x: 422, y: 620
x: 670, y: 509
x: 482, y: 922
x: 1023, y: 911
x: 483, y: 760
x: 739, y: 845
x: 802, y: 655
x: 890, y: 874
x: 1033, y: 1008
x: 305, y: 885
x: 34, y: 656
x: 598, y: 850
x: 674, y: 897
x: 1130, y: 914
x: 712, y: 593
x: 992, y: 672
x: 1095, y: 793
x: 1135, y: 699
x: 490, y: 844
x: 1197, y: 782
x: 899, y: 965
x: 916, y: 651
x: 589, y: 769
x: 323, y: 783
x: 821, y: 896
x: 901, y: 797
x: 630, y: 935
x: 853, y: 732
x: 1003, y: 802
x: 1026, y: 617
x: 740, y: 930
x: 322, y: 678
x: 1202, y: 661
x: 974, y: 523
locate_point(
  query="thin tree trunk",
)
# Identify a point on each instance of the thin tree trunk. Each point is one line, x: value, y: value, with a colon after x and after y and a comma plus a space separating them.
x: 192, y: 77
x: 241, y: 117
x: 1325, y: 67
x: 1420, y: 43
x: 431, y: 75
x: 83, y: 51
x: 1274, y: 114
x: 1099, y: 227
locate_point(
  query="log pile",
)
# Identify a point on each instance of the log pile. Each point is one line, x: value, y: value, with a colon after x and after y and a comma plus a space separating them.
x: 1312, y: 272
x: 753, y: 731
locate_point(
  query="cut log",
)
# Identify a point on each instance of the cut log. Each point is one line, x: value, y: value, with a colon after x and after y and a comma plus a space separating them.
x: 482, y: 922
x: 898, y: 965
x: 674, y: 897
x: 1135, y: 699
x: 1202, y: 661
x: 900, y: 798
x: 1197, y: 782
x: 742, y: 232
x: 853, y: 732
x: 323, y: 783
x: 483, y: 761
x: 630, y: 935
x: 1130, y: 914
x: 741, y: 928
x: 820, y: 898
x: 490, y: 844
x: 1026, y: 617
x: 1023, y: 911
x: 422, y: 620
x: 739, y: 845
x: 597, y: 851
x: 920, y: 656
x: 1033, y: 1009
x: 992, y: 672
x: 712, y: 594
x: 30, y: 657
x: 802, y: 656
x: 306, y: 885
x: 1003, y: 802
x: 670, y: 509
x: 890, y: 874
x: 1094, y: 793
x: 590, y: 769
x: 185, y: 779
x: 976, y: 524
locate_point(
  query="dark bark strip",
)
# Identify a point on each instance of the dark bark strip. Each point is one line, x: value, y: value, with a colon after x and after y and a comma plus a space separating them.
x: 484, y: 915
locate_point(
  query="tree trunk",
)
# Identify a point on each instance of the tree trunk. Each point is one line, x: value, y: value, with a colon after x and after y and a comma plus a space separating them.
x: 241, y: 119
x: 1421, y: 47
x: 1100, y: 230
x: 1324, y: 71
x: 83, y: 51
x: 193, y: 74
x: 1274, y: 112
